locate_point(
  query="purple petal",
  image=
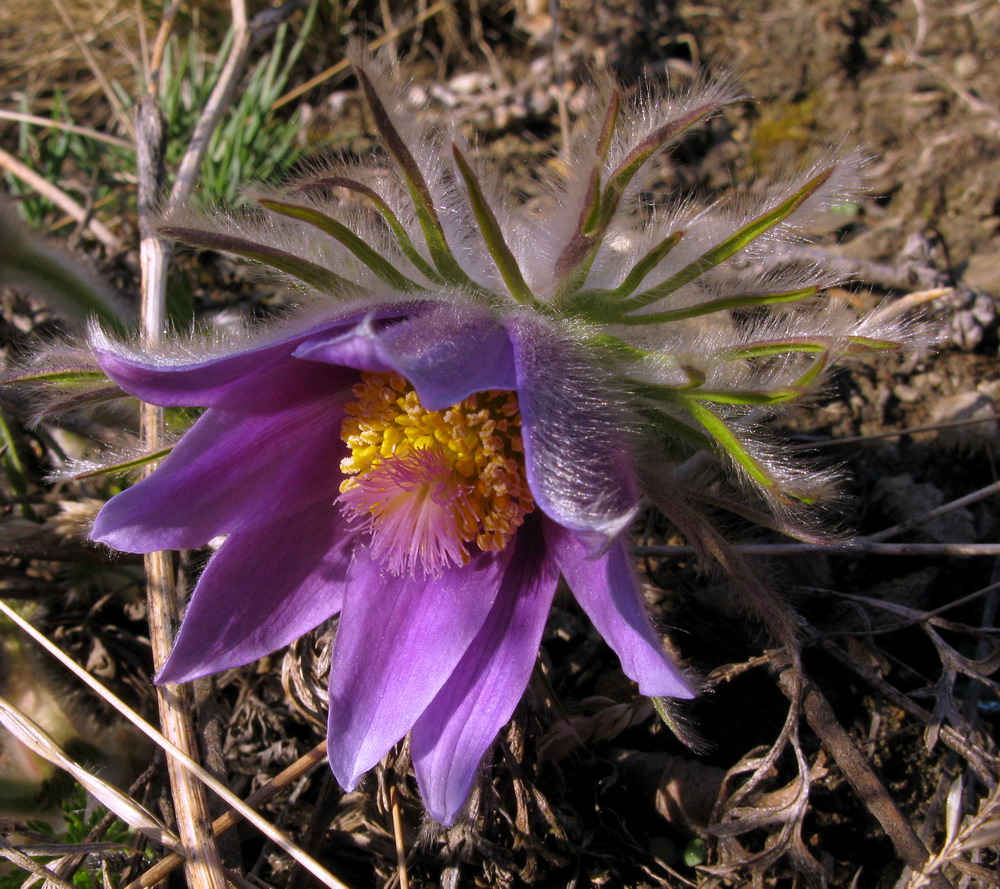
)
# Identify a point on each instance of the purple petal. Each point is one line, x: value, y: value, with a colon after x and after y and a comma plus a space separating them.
x: 576, y: 434
x: 398, y: 641
x: 260, y: 591
x: 450, y: 738
x: 447, y: 353
x: 608, y: 591
x: 271, y: 450
x: 202, y: 383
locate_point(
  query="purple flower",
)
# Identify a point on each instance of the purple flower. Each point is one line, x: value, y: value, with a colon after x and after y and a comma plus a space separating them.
x: 443, y: 569
x: 469, y: 406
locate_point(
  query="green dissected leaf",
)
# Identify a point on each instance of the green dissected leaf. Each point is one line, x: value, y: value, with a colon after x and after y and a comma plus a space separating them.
x: 813, y: 371
x: 395, y: 226
x: 577, y: 256
x: 800, y: 345
x: 741, y: 301
x: 490, y: 228
x: 607, y: 301
x: 375, y: 261
x: 731, y: 245
x: 12, y: 464
x: 590, y: 218
x: 423, y: 204
x: 746, y: 397
x: 867, y: 344
x: 65, y: 376
x: 778, y: 347
x: 307, y: 272
x: 647, y: 147
x: 619, y: 348
x: 126, y: 465
x: 726, y: 438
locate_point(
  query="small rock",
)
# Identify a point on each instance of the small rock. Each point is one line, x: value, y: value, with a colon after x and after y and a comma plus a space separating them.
x: 971, y: 438
x: 907, y: 394
x: 901, y: 498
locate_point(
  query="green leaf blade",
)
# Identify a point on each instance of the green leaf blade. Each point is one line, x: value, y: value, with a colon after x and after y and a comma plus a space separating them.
x: 736, y: 242
x: 371, y: 258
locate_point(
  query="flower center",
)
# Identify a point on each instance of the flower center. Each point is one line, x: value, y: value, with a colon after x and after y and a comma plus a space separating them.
x: 427, y: 484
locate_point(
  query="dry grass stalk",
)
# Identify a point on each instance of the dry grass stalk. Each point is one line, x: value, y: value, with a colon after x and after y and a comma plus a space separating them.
x: 121, y: 115
x: 344, y: 64
x: 227, y: 820
x: 262, y: 824
x: 217, y: 104
x: 33, y: 867
x: 36, y: 739
x: 47, y: 122
x: 62, y: 200
x: 203, y: 865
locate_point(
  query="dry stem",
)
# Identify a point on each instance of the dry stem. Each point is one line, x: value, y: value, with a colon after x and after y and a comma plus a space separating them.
x: 62, y: 200
x: 203, y: 866
x: 227, y: 820
x: 858, y: 771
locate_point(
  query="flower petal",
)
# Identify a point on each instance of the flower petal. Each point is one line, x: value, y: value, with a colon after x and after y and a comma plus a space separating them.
x: 200, y: 383
x: 608, y: 591
x: 576, y: 439
x: 398, y: 641
x: 270, y: 451
x: 261, y: 590
x: 447, y: 353
x: 451, y: 736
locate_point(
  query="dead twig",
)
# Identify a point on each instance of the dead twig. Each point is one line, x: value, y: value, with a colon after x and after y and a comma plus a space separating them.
x: 231, y: 818
x: 859, y: 773
x: 861, y: 547
x: 930, y: 515
x: 344, y: 64
x: 62, y: 200
x: 203, y: 865
x: 986, y: 767
x: 262, y: 824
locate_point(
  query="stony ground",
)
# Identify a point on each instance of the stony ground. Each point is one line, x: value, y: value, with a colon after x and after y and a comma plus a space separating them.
x: 588, y: 788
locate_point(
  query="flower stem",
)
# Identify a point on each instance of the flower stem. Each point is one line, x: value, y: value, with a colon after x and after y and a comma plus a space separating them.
x: 203, y: 866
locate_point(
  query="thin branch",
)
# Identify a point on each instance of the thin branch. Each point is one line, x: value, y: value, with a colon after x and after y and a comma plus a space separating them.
x: 895, y: 433
x: 344, y: 64
x: 262, y: 824
x: 62, y: 200
x: 859, y: 547
x: 227, y: 820
x: 66, y: 127
x: 867, y: 785
x: 203, y: 865
x: 930, y: 515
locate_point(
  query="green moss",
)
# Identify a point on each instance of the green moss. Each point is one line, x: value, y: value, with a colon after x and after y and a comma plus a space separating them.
x: 783, y: 130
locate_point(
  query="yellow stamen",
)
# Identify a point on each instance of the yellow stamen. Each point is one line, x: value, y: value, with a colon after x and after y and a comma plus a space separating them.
x: 473, y: 491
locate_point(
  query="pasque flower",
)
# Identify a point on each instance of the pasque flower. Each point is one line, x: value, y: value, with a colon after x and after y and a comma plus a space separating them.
x: 470, y: 403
